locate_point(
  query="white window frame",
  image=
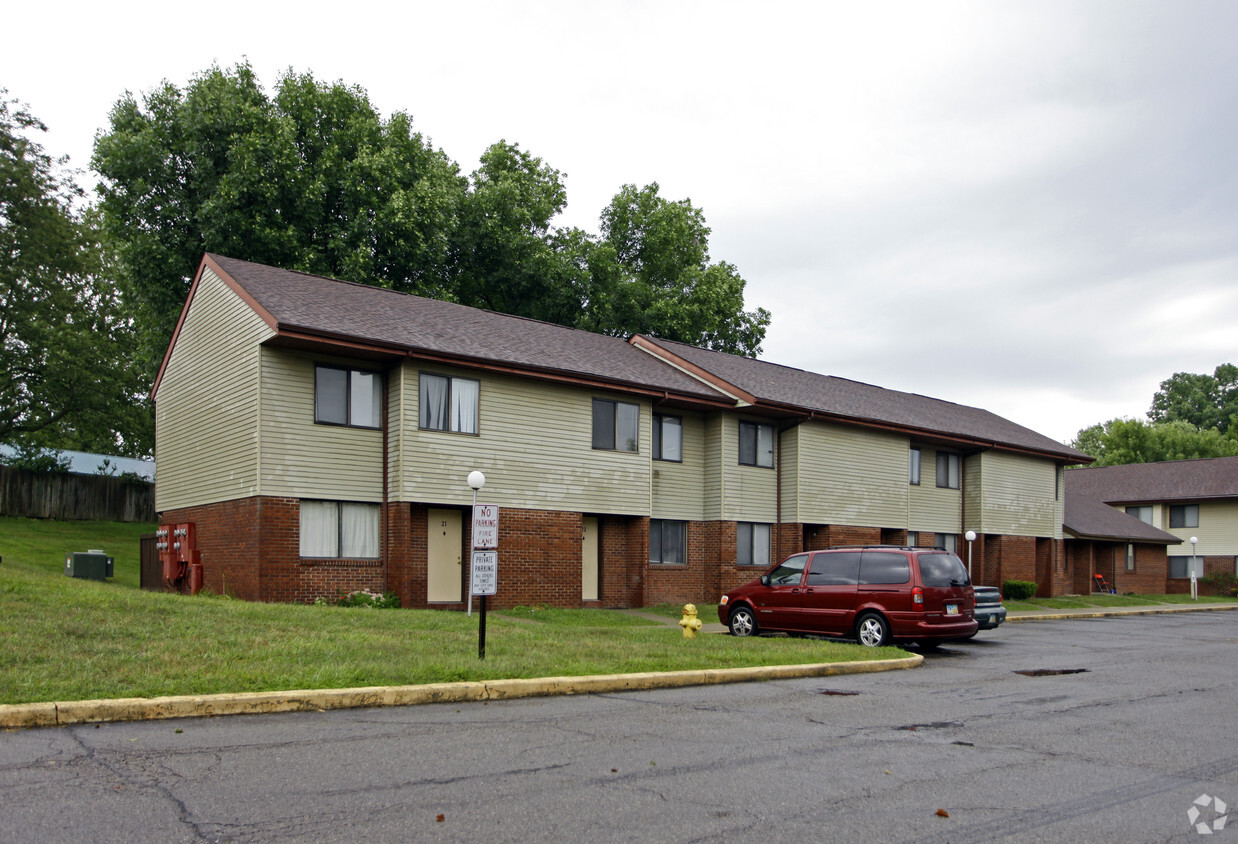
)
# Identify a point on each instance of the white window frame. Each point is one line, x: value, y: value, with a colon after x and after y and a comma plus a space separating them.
x: 916, y: 458
x: 1139, y: 512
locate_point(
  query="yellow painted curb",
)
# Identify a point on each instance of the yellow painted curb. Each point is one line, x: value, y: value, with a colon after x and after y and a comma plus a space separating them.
x: 1106, y: 613
x: 243, y: 703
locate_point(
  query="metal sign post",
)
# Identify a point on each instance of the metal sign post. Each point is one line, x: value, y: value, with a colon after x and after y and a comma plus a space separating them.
x: 484, y: 577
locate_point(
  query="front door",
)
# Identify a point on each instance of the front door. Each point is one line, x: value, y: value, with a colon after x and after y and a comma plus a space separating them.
x: 444, y: 569
x: 589, y: 560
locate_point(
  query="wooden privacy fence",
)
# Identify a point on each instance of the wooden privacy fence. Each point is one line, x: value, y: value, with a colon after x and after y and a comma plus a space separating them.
x: 60, y: 495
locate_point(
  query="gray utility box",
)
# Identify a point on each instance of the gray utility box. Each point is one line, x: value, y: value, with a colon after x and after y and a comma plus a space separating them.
x: 92, y: 565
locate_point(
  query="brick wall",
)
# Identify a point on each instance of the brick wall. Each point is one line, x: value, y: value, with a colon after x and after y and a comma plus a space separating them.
x: 1182, y: 586
x: 250, y: 549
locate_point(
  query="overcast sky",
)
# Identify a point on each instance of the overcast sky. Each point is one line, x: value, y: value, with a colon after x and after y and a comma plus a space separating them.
x: 1028, y: 207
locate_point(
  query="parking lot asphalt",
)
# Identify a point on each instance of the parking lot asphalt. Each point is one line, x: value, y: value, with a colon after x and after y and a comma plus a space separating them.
x: 61, y: 713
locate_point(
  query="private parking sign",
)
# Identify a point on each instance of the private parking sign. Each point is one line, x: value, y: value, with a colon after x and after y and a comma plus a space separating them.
x: 485, y: 573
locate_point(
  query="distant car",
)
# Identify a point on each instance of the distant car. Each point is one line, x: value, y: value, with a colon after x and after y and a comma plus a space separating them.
x: 873, y: 593
x: 989, y: 610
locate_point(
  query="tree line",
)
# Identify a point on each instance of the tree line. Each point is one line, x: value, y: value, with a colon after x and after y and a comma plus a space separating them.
x: 1193, y: 415
x: 309, y: 177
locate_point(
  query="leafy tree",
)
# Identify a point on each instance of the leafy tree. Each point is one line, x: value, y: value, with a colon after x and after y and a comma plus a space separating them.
x: 1204, y: 401
x: 663, y: 282
x: 65, y: 376
x: 506, y: 256
x: 1121, y: 441
x: 312, y: 179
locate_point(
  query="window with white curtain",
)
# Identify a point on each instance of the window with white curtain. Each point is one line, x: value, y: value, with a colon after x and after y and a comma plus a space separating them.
x: 339, y: 529
x: 947, y: 470
x: 756, y: 444
x: 616, y: 425
x: 449, y: 404
x: 667, y: 541
x: 352, y: 397
x: 753, y: 544
x: 667, y: 438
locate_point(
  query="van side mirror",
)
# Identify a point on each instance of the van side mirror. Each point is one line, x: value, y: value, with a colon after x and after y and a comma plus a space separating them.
x: 765, y: 580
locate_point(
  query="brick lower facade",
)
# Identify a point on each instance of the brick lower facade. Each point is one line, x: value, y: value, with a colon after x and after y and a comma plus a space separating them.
x: 249, y: 548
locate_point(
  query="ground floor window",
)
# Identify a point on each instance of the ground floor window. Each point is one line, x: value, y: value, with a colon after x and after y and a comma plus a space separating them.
x: 948, y: 541
x: 1180, y: 567
x: 333, y: 529
x: 753, y: 544
x: 1130, y: 557
x: 667, y: 541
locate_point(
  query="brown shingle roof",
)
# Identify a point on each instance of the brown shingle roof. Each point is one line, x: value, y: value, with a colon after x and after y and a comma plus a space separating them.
x: 304, y: 305
x: 785, y: 385
x: 1175, y: 480
x: 300, y: 302
x: 1090, y: 518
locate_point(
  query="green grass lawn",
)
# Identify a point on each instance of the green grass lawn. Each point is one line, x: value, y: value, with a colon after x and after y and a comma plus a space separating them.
x: 65, y: 638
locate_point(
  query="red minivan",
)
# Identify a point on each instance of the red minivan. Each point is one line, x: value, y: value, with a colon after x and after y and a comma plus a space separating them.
x: 874, y: 593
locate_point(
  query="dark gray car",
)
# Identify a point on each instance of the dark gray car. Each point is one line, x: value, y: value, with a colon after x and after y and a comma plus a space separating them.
x: 989, y: 610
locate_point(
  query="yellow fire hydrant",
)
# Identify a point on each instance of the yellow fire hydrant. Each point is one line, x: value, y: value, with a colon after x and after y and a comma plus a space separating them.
x: 690, y: 623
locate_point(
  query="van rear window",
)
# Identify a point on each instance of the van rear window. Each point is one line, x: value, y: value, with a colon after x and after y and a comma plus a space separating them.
x: 942, y: 570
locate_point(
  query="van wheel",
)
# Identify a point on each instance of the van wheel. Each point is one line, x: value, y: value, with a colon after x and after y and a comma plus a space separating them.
x: 872, y: 630
x: 743, y: 622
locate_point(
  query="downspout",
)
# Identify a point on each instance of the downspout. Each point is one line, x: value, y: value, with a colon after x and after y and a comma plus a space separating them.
x: 383, y: 535
x: 778, y: 498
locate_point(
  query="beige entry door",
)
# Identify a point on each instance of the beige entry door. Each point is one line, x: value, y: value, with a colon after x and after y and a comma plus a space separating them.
x: 589, y: 561
x: 444, y: 569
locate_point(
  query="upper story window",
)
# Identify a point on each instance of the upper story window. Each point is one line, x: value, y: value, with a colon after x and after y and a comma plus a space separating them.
x: 756, y: 444
x: 350, y: 397
x: 616, y: 425
x: 1183, y: 515
x: 667, y: 438
x: 914, y: 477
x: 947, y: 470
x: 1142, y: 513
x: 449, y: 404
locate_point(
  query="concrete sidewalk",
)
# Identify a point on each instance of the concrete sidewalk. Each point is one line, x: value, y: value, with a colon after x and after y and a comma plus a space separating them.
x: 53, y: 714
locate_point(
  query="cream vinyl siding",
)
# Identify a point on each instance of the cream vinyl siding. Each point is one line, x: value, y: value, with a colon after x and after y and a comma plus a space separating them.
x: 678, y: 488
x: 302, y: 459
x: 1017, y: 496
x: 746, y: 493
x: 850, y: 476
x: 1217, y: 532
x: 933, y: 508
x: 791, y: 451
x: 534, y: 445
x: 206, y: 410
x: 713, y: 475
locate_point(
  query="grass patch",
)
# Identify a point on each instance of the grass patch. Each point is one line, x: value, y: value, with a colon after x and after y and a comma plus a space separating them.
x: 65, y: 638
x: 40, y: 545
